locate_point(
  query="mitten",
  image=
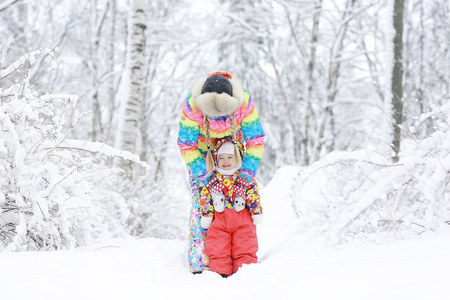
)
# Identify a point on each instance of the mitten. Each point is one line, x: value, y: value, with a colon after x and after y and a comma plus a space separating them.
x: 242, y: 184
x: 205, y: 222
x: 239, y: 203
x: 213, y: 184
x: 218, y: 202
x: 257, y: 219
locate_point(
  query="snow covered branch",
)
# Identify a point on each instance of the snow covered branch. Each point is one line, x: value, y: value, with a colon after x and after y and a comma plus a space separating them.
x: 21, y: 61
x: 102, y: 148
x: 6, y: 4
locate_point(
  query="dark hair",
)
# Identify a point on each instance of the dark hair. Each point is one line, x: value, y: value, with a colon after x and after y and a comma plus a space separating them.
x: 217, y: 84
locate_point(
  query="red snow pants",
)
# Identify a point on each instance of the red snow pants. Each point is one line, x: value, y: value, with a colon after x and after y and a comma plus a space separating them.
x: 231, y: 241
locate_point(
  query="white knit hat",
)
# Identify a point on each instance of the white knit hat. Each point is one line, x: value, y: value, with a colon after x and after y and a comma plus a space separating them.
x: 227, y: 147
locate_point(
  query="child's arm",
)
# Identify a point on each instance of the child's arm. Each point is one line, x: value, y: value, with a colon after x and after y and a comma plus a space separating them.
x: 206, y: 203
x: 253, y: 199
x: 206, y: 208
x: 254, y: 203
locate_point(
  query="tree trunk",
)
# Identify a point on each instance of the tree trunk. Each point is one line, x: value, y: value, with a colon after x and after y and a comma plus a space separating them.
x: 94, y: 75
x: 136, y: 61
x: 97, y: 23
x: 397, y: 77
x: 311, y: 65
x: 111, y: 62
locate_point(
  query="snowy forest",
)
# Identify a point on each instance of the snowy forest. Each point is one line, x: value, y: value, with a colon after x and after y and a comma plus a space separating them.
x: 355, y: 94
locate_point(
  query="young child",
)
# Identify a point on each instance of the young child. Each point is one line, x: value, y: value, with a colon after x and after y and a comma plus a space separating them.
x: 231, y: 239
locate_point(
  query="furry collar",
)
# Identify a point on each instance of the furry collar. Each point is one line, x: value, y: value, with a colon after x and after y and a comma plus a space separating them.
x: 218, y: 105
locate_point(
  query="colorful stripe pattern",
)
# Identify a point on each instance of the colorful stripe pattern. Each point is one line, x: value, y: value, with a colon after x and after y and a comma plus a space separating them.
x: 192, y: 137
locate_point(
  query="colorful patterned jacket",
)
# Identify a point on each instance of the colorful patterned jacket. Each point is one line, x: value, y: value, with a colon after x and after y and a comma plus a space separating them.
x: 192, y: 141
x: 253, y: 202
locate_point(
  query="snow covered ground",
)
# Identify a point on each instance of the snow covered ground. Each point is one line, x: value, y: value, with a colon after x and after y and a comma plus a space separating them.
x: 291, y: 266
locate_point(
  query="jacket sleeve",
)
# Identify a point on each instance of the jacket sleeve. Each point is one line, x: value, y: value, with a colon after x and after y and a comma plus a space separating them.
x: 206, y: 205
x: 188, y: 135
x: 253, y: 199
x: 254, y: 140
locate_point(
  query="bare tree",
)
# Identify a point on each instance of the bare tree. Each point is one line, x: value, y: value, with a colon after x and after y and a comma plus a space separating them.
x: 311, y: 65
x: 333, y: 76
x: 98, y: 19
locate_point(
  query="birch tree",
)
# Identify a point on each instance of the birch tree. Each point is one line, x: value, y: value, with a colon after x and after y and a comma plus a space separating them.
x: 136, y: 61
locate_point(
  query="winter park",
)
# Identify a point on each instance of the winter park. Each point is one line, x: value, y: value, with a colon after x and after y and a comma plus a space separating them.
x: 224, y: 149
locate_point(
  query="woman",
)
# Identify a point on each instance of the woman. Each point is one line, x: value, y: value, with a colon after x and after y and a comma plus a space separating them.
x: 217, y: 107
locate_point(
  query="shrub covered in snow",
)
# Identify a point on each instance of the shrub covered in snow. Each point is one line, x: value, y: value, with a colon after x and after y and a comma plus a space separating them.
x: 59, y: 193
x: 47, y: 194
x: 364, y: 196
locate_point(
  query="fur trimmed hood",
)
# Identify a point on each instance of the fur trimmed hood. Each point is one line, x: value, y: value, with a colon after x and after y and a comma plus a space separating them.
x: 218, y: 105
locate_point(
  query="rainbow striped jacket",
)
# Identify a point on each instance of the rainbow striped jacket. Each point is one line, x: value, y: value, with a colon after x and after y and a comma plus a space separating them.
x: 192, y: 140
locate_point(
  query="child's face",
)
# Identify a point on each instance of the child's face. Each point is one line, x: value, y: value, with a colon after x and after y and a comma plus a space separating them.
x: 226, y: 161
